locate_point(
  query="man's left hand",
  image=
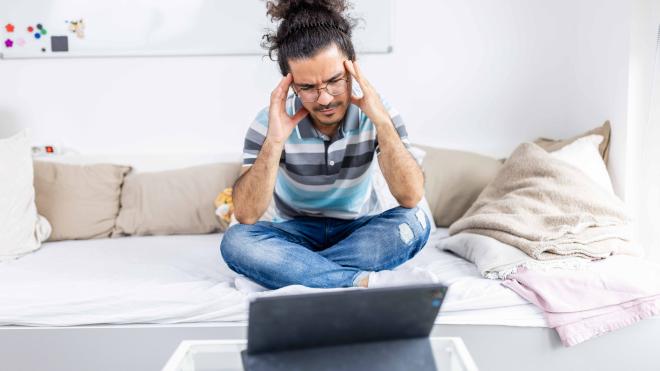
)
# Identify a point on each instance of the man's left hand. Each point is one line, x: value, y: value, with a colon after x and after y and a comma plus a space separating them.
x: 369, y: 102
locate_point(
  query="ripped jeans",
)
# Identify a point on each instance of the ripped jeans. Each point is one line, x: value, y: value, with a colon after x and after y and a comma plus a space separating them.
x: 324, y: 252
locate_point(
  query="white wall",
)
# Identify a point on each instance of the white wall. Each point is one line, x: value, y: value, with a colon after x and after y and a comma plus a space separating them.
x: 469, y: 74
x: 643, y: 182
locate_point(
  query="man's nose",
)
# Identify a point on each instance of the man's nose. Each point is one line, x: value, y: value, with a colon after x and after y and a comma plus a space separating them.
x: 324, y: 98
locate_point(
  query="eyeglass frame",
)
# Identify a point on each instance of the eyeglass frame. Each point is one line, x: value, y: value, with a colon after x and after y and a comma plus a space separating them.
x: 318, y: 90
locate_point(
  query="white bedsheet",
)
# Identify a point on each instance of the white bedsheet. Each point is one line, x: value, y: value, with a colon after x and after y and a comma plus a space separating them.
x: 182, y: 279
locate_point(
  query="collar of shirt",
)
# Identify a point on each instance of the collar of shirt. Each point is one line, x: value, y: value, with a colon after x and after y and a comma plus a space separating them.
x: 305, y: 128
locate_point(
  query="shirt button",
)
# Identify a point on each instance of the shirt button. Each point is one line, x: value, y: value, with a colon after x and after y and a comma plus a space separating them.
x: 332, y: 163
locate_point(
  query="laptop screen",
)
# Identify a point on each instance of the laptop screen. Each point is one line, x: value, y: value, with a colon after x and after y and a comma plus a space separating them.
x: 280, y: 323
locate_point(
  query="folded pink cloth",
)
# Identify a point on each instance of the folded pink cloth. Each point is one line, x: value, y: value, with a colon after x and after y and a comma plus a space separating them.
x: 604, y: 296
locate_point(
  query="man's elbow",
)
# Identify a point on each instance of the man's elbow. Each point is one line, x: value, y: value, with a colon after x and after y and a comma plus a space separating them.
x: 245, y: 219
x: 410, y: 200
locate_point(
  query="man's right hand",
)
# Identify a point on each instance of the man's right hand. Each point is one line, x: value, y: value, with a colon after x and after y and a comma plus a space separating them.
x: 280, y: 124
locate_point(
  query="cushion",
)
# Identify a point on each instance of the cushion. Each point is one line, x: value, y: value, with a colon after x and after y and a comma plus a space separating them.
x: 174, y: 201
x: 80, y: 201
x: 584, y: 155
x: 453, y: 180
x: 604, y: 130
x: 21, y: 229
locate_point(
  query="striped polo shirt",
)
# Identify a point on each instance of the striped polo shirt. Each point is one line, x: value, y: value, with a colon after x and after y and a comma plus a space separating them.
x: 323, y: 176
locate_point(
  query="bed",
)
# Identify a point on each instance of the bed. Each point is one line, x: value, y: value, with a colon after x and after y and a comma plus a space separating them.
x: 126, y: 303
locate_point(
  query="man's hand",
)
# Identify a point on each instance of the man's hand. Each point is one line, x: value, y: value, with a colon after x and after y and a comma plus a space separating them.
x: 280, y: 124
x: 369, y: 102
x: 402, y: 173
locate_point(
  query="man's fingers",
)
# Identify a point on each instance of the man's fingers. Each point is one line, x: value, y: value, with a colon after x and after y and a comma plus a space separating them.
x: 286, y: 82
x: 357, y: 69
x: 282, y: 87
x: 349, y: 66
x: 302, y: 112
x: 278, y: 96
x: 354, y: 70
x: 364, y: 83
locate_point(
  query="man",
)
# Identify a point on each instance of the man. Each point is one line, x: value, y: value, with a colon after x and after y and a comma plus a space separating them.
x: 312, y: 153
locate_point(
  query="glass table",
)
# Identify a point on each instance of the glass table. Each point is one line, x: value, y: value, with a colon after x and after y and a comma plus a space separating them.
x: 448, y: 354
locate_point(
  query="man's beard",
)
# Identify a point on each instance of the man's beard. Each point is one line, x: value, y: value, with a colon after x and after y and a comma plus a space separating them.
x: 328, y: 124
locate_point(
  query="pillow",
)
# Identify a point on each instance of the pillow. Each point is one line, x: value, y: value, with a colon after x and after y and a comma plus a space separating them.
x: 551, y: 145
x: 584, y: 155
x: 175, y: 201
x: 80, y: 201
x: 453, y: 180
x: 385, y: 197
x: 21, y: 229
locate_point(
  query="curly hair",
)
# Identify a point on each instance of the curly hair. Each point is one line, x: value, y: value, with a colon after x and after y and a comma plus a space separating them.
x: 306, y: 27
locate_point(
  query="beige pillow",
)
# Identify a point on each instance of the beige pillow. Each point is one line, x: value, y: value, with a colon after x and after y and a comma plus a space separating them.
x: 79, y: 201
x: 175, y: 201
x: 453, y: 180
x: 605, y: 130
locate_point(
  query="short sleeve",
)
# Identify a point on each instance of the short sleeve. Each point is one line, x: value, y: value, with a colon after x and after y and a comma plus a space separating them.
x: 397, y: 121
x: 255, y: 137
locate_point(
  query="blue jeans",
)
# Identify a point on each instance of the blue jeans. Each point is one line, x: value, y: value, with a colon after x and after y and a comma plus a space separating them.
x: 324, y: 252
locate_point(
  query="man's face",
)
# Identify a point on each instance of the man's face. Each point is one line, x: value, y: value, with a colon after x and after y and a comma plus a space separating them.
x: 326, y: 67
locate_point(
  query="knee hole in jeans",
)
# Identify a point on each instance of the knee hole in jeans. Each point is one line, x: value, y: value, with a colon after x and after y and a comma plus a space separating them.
x: 405, y: 233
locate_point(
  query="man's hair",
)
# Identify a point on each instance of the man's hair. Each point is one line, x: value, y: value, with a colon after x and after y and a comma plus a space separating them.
x: 307, y: 27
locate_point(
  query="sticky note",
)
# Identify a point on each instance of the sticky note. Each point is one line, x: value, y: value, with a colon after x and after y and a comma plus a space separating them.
x: 59, y: 43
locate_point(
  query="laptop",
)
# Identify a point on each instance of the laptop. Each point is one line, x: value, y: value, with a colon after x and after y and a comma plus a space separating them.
x: 385, y: 328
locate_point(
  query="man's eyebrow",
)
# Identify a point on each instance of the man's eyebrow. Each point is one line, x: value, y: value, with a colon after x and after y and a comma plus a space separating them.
x: 335, y: 77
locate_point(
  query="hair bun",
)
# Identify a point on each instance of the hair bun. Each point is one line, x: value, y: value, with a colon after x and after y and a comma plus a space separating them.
x: 287, y: 9
x: 306, y: 26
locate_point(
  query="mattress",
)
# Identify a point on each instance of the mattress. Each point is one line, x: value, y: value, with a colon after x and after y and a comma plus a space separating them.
x: 182, y: 279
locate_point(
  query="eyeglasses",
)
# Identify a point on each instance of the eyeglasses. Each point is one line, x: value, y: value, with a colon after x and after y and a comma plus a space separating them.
x: 311, y: 94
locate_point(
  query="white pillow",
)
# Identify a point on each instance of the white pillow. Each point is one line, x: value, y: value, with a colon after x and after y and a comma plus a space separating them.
x: 21, y: 229
x: 584, y: 155
x: 385, y: 197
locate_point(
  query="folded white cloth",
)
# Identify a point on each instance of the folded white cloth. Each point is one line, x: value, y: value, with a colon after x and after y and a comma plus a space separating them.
x: 497, y: 260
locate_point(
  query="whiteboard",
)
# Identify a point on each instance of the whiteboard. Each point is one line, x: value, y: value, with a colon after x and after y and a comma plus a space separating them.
x: 159, y: 27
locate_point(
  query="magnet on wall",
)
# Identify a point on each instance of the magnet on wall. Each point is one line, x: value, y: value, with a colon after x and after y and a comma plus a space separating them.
x: 43, y: 50
x: 59, y: 43
x: 37, y: 35
x: 9, y: 43
x: 9, y: 27
x: 30, y: 29
x: 78, y: 27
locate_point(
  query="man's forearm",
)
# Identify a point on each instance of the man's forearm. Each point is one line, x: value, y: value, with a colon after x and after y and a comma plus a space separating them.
x: 254, y: 189
x: 401, y: 171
